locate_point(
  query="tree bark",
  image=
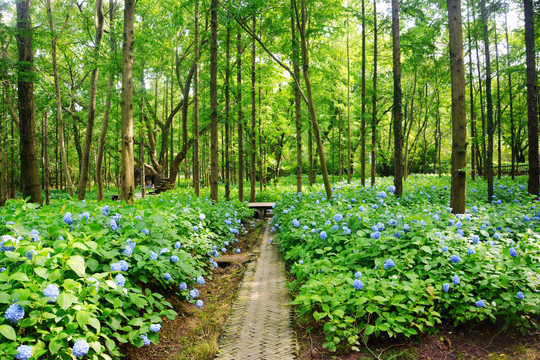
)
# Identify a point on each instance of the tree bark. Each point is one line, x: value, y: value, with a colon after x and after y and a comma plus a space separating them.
x: 46, y: 165
x: 397, y: 110
x: 27, y: 131
x: 459, y: 118
x: 363, y: 122
x: 128, y: 175
x: 214, y: 155
x: 489, y: 105
x: 532, y: 104
x: 373, y: 99
x: 85, y: 165
x: 196, y: 155
x: 227, y: 116
x: 253, y: 118
x: 510, y: 100
x: 240, y: 117
x: 297, y: 103
x: 471, y: 100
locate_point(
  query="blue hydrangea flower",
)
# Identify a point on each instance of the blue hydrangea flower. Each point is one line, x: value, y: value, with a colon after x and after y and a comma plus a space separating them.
x: 120, y: 280
x: 113, y: 225
x: 526, y: 218
x: 392, y: 222
x: 335, y: 227
x: 346, y: 231
x: 374, y: 206
x: 155, y: 328
x: 23, y: 352
x: 116, y: 267
x: 2, y: 269
x: 300, y: 261
x: 202, y: 217
x: 93, y: 282
x: 455, y: 259
x: 80, y: 348
x: 52, y: 292
x: 14, y: 313
x: 194, y: 293
x: 512, y: 252
x: 323, y: 235
x: 183, y: 286
x: 388, y: 264
x: 445, y: 248
x: 238, y: 251
x: 520, y: 295
x: 375, y: 235
x: 145, y: 231
x: 470, y: 251
x: 358, y: 285
x: 153, y: 255
x: 381, y: 195
x: 167, y: 276
x: 145, y: 339
x: 338, y: 217
x: 164, y: 250
x: 30, y: 254
x: 358, y: 274
x: 199, y: 304
x: 391, y: 189
x: 200, y: 280
x: 124, y: 266
x: 406, y: 227
x: 128, y: 250
x: 174, y: 259
x: 475, y: 239
x: 105, y: 210
x: 195, y: 228
x: 295, y: 223
x: 34, y: 235
x: 361, y: 208
x: 446, y: 287
x: 223, y: 250
x: 480, y: 303
x: 177, y: 245
x: 456, y: 280
x: 68, y: 218
x: 496, y: 236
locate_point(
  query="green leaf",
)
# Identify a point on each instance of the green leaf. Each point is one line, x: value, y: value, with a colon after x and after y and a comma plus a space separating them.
x: 82, y: 317
x: 54, y: 346
x: 12, y: 254
x: 8, y: 332
x: 19, y: 276
x: 64, y: 300
x: 136, y: 322
x: 41, y: 272
x: 426, y: 249
x: 76, y: 263
x: 95, y: 323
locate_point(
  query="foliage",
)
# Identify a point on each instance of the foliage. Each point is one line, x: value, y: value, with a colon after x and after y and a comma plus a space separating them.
x: 101, y: 259
x: 369, y: 264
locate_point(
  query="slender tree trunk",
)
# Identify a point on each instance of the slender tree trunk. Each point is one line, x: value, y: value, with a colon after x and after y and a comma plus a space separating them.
x: 85, y: 165
x: 373, y: 99
x: 471, y: 100
x: 408, y: 129
x: 253, y: 117
x: 214, y: 155
x: 483, y: 158
x: 106, y: 112
x: 240, y: 116
x: 363, y: 122
x: 28, y: 143
x: 349, y: 159
x: 489, y: 105
x: 459, y: 118
x: 532, y: 104
x: 510, y: 100
x: 227, y: 118
x: 297, y: 103
x: 196, y: 155
x: 310, y: 151
x: 128, y: 176
x: 46, y: 166
x: 340, y: 164
x: 397, y: 112
x: 499, y: 112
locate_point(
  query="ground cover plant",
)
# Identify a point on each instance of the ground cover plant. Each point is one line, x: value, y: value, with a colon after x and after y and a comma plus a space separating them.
x: 366, y: 263
x: 80, y: 278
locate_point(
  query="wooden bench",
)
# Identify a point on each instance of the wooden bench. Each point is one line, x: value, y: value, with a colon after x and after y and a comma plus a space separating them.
x: 261, y: 208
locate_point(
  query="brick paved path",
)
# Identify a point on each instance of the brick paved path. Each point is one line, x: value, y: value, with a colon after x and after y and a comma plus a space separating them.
x: 259, y: 326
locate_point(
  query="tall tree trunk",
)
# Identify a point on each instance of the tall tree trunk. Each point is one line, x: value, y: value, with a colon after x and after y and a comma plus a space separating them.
x: 397, y: 111
x: 349, y: 159
x: 310, y: 101
x: 85, y: 165
x: 510, y: 100
x: 196, y: 155
x: 459, y: 117
x: 253, y: 117
x: 59, y: 110
x: 310, y: 150
x: 471, y: 100
x: 297, y: 103
x: 489, y: 105
x: 481, y: 163
x: 363, y: 122
x: 373, y: 98
x: 46, y: 166
x: 240, y: 116
x: 532, y: 104
x: 28, y: 143
x: 128, y: 176
x: 106, y: 112
x: 227, y: 117
x: 499, y: 112
x: 214, y: 155
x: 408, y: 128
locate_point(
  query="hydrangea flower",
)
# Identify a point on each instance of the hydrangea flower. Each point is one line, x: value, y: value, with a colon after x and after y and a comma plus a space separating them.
x: 445, y: 248
x: 375, y: 235
x: 167, y: 276
x: 145, y: 231
x: 155, y: 328
x: 455, y: 259
x: 470, y: 251
x: 361, y: 208
x: 391, y: 189
x: 388, y: 264
x: 358, y: 274
x: 195, y: 228
x: 338, y: 217
x: 512, y: 252
x: 164, y: 250
x: 295, y: 223
x: 199, y: 304
x: 300, y: 261
x: 120, y: 280
x: 30, y: 254
x: 323, y: 235
x: 145, y: 339
x: 34, y: 235
x: 124, y: 266
x: 116, y: 267
x: 80, y: 348
x: 520, y: 295
x: 238, y: 251
x: 194, y: 293
x: 496, y: 236
x: 14, y: 313
x: 223, y: 250
x: 174, y: 259
x: 358, y: 285
x: 480, y: 303
x: 93, y: 282
x: 200, y: 280
x: 52, y: 292
x: 105, y: 210
x: 23, y: 352
x: 456, y: 280
x: 177, y: 245
x: 153, y: 255
x: 446, y: 287
x: 128, y: 250
x: 381, y: 195
x: 68, y: 218
x: 113, y: 225
x: 202, y: 217
x: 475, y: 239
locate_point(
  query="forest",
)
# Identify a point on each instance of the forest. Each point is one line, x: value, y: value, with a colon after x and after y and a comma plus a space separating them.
x: 392, y: 144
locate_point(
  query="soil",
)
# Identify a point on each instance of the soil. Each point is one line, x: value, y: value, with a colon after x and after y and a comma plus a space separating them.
x: 195, y: 332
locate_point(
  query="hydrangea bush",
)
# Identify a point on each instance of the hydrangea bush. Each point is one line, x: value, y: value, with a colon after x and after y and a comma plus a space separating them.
x: 416, y: 263
x: 75, y: 277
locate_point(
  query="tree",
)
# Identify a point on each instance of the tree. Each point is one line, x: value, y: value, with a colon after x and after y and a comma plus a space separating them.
x: 459, y: 117
x: 297, y: 103
x: 374, y: 97
x: 240, y: 116
x: 25, y: 71
x: 532, y: 100
x: 128, y: 162
x: 489, y: 106
x: 363, y: 121
x: 397, y: 111
x: 214, y: 156
x: 253, y: 117
x: 196, y: 157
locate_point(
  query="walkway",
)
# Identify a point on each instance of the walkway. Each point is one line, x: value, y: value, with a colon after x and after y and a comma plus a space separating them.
x: 260, y: 326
